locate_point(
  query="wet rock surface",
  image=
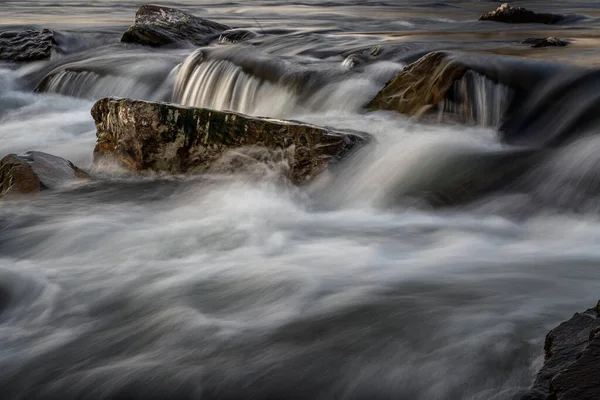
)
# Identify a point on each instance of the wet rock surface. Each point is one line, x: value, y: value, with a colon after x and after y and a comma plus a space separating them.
x: 519, y: 15
x: 571, y: 369
x: 31, y: 172
x: 545, y: 42
x: 158, y: 26
x: 27, y: 45
x: 150, y: 136
x: 420, y: 85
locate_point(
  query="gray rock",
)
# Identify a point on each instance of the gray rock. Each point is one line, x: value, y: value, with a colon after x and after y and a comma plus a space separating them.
x: 519, y: 15
x: 571, y: 369
x: 158, y: 26
x: 29, y: 45
x: 31, y: 172
x: 149, y: 136
x: 545, y: 42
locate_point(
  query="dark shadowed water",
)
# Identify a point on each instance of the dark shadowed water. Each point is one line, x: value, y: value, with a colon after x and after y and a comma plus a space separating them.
x: 227, y: 287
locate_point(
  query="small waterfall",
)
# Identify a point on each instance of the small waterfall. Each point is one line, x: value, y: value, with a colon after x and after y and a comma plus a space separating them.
x: 223, y: 85
x: 138, y: 75
x: 477, y: 100
x: 88, y: 84
x: 258, y: 84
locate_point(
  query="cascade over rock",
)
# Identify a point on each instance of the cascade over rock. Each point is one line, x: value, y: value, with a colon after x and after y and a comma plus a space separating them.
x: 519, y: 15
x: 572, y: 360
x: 422, y: 84
x: 28, y: 45
x: 157, y: 26
x: 151, y: 136
x: 33, y: 171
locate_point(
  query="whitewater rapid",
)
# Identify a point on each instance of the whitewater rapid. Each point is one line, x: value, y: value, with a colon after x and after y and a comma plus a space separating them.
x: 233, y: 287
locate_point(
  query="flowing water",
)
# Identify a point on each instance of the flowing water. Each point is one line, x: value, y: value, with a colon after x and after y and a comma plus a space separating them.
x: 231, y: 287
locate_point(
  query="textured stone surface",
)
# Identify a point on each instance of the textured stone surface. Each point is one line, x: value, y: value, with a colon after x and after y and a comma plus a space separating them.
x: 571, y: 369
x: 545, y: 42
x: 29, y: 45
x: 157, y: 26
x: 519, y: 15
x: 420, y: 85
x: 149, y: 136
x: 33, y: 171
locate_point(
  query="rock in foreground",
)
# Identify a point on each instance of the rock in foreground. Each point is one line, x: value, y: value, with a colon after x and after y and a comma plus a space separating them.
x: 157, y: 26
x: 519, y: 15
x: 29, y: 45
x: 34, y: 171
x: 571, y: 369
x: 149, y: 136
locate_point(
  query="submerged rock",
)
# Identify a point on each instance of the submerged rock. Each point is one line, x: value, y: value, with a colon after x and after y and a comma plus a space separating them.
x: 149, y: 136
x: 33, y: 171
x: 237, y: 35
x: 572, y: 361
x: 545, y: 42
x: 29, y: 45
x: 519, y: 15
x: 157, y: 26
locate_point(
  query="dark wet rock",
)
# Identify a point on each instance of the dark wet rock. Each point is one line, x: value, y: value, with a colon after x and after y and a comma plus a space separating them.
x: 519, y: 15
x: 571, y: 369
x: 353, y: 59
x: 421, y: 85
x: 237, y: 35
x: 28, y: 45
x: 545, y: 42
x: 450, y: 85
x: 33, y: 171
x: 157, y: 26
x: 149, y: 136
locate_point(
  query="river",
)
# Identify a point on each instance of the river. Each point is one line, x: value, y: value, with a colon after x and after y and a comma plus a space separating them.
x: 230, y: 287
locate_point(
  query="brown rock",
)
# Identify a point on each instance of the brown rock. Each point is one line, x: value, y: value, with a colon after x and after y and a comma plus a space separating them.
x: 17, y: 177
x: 157, y: 26
x: 420, y: 85
x: 519, y: 15
x: 34, y: 171
x: 149, y: 136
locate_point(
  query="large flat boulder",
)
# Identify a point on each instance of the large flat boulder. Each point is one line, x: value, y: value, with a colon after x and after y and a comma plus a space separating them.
x: 151, y: 136
x: 519, y: 15
x: 158, y: 26
x: 571, y: 369
x: 27, y: 45
x: 31, y: 172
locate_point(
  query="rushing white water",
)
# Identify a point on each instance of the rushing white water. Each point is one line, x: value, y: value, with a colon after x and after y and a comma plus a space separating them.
x: 223, y: 85
x: 478, y: 100
x: 231, y: 287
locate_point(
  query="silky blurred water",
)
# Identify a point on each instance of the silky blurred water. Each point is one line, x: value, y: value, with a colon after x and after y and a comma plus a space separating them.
x: 232, y: 287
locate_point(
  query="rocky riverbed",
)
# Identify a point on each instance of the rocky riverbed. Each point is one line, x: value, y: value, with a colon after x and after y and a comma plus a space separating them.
x: 299, y: 201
